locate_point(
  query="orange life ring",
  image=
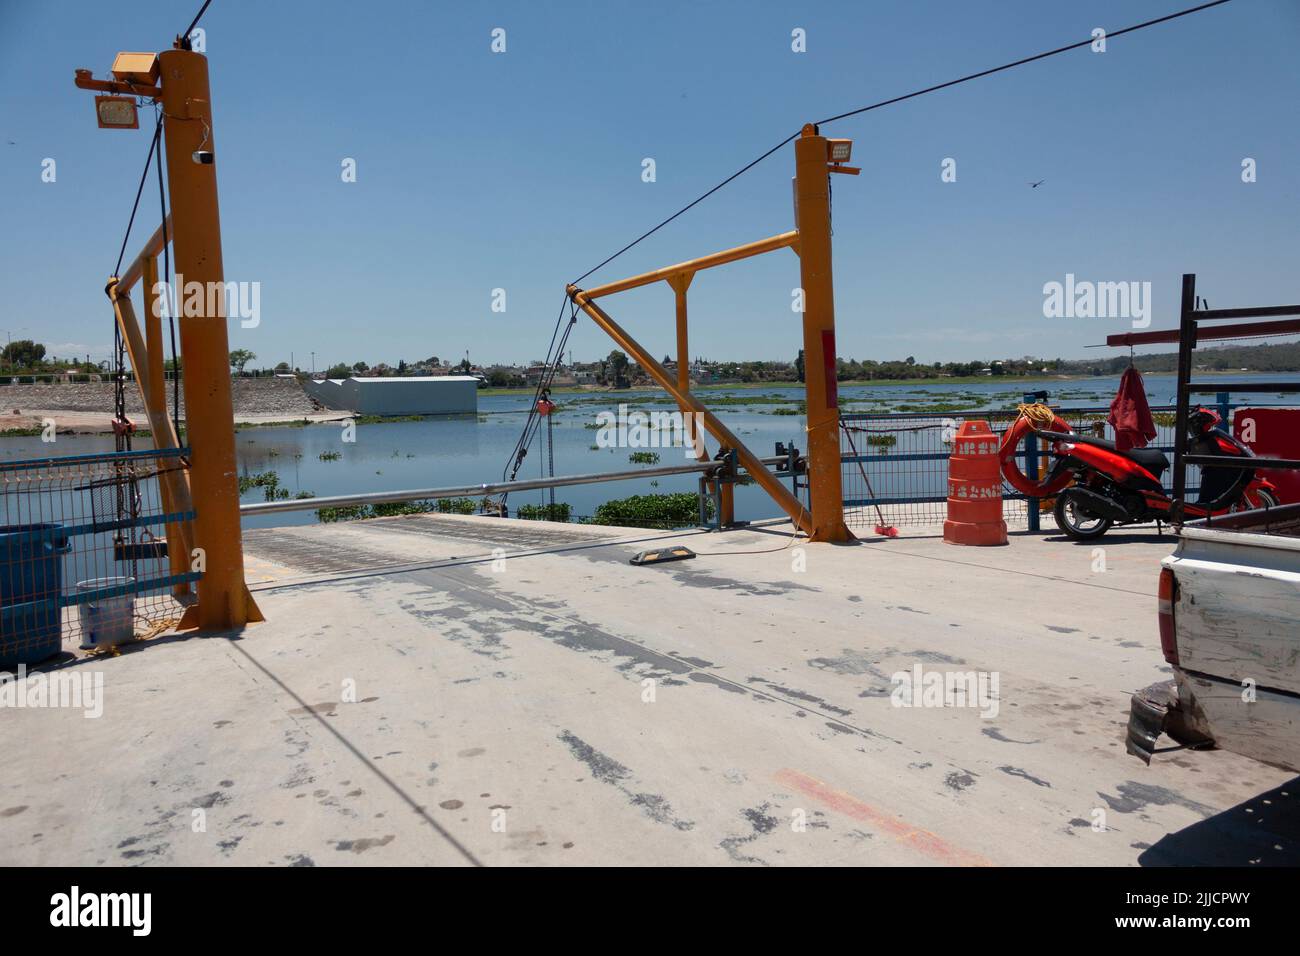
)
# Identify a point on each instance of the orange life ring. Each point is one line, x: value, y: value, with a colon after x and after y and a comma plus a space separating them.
x: 1011, y: 468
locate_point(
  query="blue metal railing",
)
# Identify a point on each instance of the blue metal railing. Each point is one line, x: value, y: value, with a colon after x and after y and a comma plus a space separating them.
x: 889, y: 481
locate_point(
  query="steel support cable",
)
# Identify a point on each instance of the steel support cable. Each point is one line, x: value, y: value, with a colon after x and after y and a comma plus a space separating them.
x: 544, y: 383
x: 168, y: 298
x: 154, y: 145
x: 521, y: 446
x: 889, y: 102
x: 139, y: 190
x: 690, y: 205
x: 1022, y: 62
x: 185, y: 37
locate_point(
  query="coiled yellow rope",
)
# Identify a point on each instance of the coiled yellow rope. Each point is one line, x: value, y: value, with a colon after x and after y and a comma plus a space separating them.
x: 1039, y: 415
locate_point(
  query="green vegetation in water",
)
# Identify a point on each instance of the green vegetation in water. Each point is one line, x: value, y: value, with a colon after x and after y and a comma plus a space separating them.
x: 268, y: 481
x: 330, y: 455
x: 559, y: 511
x: 932, y: 407
x: 391, y: 509
x: 663, y: 511
x: 643, y: 401
x: 644, y: 458
x: 882, y: 441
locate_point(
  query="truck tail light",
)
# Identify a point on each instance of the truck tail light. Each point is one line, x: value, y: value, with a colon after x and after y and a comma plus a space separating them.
x: 1166, y: 594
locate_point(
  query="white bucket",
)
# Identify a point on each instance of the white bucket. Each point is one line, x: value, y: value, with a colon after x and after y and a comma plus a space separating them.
x: 107, y: 621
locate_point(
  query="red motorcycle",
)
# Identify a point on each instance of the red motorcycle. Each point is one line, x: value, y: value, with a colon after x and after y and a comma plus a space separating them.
x: 1098, y: 486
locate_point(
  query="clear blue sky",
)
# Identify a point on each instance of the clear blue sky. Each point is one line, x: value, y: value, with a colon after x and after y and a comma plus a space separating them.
x: 522, y: 170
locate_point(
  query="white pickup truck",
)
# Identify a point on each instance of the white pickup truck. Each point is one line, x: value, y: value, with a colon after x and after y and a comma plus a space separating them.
x: 1229, y: 611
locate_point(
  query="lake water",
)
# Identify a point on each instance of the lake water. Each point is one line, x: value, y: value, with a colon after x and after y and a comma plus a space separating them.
x: 474, y: 449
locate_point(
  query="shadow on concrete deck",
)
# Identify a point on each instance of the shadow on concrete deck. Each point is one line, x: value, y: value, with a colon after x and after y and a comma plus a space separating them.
x: 1261, y: 831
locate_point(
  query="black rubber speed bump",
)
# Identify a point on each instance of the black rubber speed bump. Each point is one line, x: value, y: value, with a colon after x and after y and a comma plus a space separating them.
x: 660, y: 555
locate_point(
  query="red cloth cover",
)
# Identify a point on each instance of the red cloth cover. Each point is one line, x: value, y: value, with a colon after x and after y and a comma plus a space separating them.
x: 1130, y: 415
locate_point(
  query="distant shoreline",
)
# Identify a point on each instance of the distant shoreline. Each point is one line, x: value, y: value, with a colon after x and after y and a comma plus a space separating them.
x: 83, y: 422
x: 944, y: 380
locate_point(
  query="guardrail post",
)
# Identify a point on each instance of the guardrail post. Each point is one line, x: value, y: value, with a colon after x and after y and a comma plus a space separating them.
x: 1031, y: 469
x: 1186, y: 343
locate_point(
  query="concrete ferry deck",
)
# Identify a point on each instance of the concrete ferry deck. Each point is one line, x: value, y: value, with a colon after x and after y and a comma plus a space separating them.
x: 463, y: 690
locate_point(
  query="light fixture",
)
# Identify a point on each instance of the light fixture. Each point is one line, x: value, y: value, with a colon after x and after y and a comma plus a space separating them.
x: 840, y: 149
x: 138, y: 68
x: 116, y: 112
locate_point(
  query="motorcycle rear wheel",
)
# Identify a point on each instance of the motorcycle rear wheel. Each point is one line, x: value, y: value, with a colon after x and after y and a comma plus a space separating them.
x: 1263, y: 499
x: 1075, y: 522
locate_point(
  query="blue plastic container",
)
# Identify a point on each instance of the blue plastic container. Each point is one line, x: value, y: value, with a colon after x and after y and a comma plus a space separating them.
x: 31, y: 581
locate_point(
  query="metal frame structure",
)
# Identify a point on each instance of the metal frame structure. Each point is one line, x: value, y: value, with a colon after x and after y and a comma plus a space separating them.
x: 178, y: 80
x: 1187, y: 335
x: 811, y: 241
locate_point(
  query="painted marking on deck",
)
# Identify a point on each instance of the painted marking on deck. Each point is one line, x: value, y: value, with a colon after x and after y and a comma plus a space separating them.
x: 918, y: 839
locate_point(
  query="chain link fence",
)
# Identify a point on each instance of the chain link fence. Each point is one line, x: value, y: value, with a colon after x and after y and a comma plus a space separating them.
x: 898, y: 462
x: 84, y: 551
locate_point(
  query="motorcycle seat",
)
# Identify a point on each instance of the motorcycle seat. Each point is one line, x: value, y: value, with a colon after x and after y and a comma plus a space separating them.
x: 1149, y: 458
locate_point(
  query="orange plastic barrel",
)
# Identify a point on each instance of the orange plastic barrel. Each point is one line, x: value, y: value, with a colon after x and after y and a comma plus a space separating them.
x: 975, y: 488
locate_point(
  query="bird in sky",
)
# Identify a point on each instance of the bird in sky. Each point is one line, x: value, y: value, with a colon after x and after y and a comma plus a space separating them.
x: 1037, y: 184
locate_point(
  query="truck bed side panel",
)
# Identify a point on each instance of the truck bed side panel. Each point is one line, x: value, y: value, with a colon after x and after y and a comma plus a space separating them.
x: 1239, y: 620
x: 1266, y: 729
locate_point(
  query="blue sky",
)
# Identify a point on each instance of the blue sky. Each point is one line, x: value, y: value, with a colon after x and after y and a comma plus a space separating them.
x: 522, y: 170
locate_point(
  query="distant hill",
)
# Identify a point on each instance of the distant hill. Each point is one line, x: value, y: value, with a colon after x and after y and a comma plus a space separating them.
x: 1225, y: 358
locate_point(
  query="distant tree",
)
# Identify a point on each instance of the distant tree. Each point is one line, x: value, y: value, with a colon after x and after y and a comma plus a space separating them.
x: 360, y: 367
x: 798, y: 365
x: 283, y: 368
x: 464, y: 365
x: 617, y: 364
x: 401, y: 366
x: 23, y: 353
x: 239, y: 358
x: 342, y: 370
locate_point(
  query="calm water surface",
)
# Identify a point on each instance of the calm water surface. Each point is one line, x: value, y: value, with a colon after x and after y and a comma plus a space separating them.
x: 475, y: 449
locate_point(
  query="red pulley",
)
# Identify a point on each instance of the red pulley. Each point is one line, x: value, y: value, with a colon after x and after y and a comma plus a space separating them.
x: 545, y: 406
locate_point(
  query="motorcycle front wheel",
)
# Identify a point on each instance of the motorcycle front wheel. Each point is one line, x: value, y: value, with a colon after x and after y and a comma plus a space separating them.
x: 1075, y: 522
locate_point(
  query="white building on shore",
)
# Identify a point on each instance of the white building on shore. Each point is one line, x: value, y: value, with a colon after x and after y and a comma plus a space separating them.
x: 432, y: 395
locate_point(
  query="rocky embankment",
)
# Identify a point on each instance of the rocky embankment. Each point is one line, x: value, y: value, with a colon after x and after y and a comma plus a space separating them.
x: 271, y: 397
